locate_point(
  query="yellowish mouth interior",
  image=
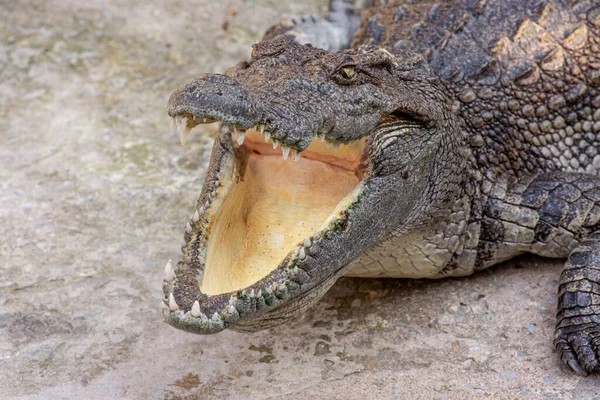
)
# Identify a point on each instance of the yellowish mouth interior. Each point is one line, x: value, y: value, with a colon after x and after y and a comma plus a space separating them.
x: 271, y: 205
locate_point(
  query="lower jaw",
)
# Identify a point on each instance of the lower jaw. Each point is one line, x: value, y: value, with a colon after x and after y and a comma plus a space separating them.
x: 205, y: 295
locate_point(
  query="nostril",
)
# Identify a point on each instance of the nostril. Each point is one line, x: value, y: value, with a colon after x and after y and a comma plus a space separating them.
x: 190, y: 88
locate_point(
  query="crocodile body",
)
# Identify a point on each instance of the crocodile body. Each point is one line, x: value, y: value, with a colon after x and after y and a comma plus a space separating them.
x: 526, y: 87
x: 481, y: 126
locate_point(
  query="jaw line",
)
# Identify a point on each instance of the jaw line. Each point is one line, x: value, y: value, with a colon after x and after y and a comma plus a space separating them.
x: 189, y: 309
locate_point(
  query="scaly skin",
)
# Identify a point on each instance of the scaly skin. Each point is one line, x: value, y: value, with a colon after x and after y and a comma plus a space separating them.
x: 482, y: 121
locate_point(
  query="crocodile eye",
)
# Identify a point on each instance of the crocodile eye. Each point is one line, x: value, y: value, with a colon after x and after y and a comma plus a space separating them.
x: 348, y: 72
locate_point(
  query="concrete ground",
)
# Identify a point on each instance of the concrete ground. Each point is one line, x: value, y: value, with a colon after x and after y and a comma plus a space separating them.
x: 94, y: 195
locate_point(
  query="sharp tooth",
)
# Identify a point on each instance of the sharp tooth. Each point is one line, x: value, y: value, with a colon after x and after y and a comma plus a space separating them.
x: 231, y: 309
x: 216, y: 316
x: 188, y: 228
x: 196, y: 309
x: 173, y: 126
x: 286, y: 152
x: 204, y: 120
x: 196, y: 217
x: 322, y: 136
x: 261, y: 128
x: 275, y: 144
x: 336, y: 146
x: 327, y: 144
x: 296, y: 155
x: 200, y: 211
x: 240, y: 136
x: 252, y: 293
x: 184, y: 131
x: 169, y: 273
x: 172, y: 304
x: 255, y: 128
x: 307, y: 242
x: 267, y: 136
x: 302, y: 254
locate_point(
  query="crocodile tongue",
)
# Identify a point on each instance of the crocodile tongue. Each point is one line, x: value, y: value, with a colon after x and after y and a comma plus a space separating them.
x: 274, y: 205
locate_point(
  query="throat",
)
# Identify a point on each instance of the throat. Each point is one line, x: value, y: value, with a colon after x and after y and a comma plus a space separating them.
x: 267, y: 211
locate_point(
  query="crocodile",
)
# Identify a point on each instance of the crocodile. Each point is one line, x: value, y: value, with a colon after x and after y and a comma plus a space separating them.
x: 405, y: 139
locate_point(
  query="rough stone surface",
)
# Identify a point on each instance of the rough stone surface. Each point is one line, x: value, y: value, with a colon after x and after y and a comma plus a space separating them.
x: 94, y: 195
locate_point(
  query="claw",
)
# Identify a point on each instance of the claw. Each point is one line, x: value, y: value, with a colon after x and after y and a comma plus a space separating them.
x: 574, y: 365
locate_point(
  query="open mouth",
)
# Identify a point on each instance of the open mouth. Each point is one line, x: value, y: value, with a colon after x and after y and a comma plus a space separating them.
x: 273, y: 204
x: 256, y: 223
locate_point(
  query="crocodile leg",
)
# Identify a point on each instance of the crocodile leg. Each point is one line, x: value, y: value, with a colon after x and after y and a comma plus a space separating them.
x: 577, y: 336
x: 332, y: 32
x: 554, y: 215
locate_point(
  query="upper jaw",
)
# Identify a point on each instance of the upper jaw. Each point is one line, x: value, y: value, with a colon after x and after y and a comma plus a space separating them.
x: 209, y: 99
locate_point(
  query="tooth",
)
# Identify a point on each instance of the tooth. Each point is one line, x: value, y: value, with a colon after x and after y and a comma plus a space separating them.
x: 307, y: 242
x: 205, y: 120
x: 216, y: 316
x: 296, y: 155
x: 295, y: 271
x: 267, y: 136
x: 231, y: 309
x: 207, y: 204
x: 169, y: 273
x: 275, y: 144
x: 173, y: 126
x: 239, y: 136
x: 302, y: 254
x: 261, y: 128
x: 252, y: 293
x: 196, y: 309
x: 255, y: 128
x: 184, y: 131
x: 336, y: 146
x: 200, y: 211
x: 327, y: 144
x: 196, y: 217
x: 188, y: 228
x: 322, y: 136
x: 172, y: 304
x: 286, y: 152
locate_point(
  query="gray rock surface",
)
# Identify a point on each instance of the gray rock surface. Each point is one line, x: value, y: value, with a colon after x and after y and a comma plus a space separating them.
x: 94, y: 195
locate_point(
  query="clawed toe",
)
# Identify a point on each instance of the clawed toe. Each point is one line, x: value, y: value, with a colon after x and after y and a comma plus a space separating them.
x: 579, y: 351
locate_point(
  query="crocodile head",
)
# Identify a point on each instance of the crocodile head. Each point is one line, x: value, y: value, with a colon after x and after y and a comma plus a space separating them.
x: 320, y: 155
